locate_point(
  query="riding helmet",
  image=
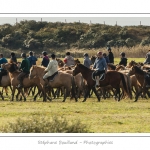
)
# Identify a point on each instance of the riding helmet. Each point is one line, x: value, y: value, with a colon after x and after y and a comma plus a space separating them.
x: 108, y: 48
x: 31, y: 53
x: 44, y: 53
x: 99, y: 53
x: 23, y: 55
x: 85, y: 54
x: 12, y: 54
x: 68, y: 53
x: 122, y: 54
x: 53, y: 56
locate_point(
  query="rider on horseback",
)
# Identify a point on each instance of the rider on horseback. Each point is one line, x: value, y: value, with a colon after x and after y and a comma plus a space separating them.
x: 32, y: 59
x: 69, y: 60
x: 87, y: 62
x: 100, y: 66
x: 2, y: 71
x: 25, y: 67
x: 123, y: 60
x: 45, y: 59
x: 51, y: 69
x: 110, y: 55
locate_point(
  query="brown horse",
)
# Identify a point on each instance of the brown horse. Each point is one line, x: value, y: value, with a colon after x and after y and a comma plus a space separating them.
x: 27, y: 83
x: 113, y: 78
x: 140, y: 76
x: 61, y: 80
x: 60, y: 62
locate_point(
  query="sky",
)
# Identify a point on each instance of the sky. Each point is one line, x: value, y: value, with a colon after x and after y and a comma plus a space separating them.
x: 121, y: 21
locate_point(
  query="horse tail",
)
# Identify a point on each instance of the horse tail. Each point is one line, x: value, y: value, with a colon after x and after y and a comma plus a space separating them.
x: 126, y: 84
x: 73, y: 88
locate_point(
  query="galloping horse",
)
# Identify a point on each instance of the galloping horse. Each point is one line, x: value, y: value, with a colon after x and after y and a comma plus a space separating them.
x: 61, y: 80
x: 140, y: 76
x: 113, y: 78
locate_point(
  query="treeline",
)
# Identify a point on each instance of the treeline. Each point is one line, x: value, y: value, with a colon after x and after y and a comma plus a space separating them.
x: 32, y: 35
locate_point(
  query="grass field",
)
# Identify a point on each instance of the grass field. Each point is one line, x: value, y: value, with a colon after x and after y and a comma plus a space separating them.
x: 107, y: 116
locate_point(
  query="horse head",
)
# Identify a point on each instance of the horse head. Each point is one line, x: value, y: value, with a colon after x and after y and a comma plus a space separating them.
x: 11, y: 67
x: 76, y: 61
x: 76, y: 69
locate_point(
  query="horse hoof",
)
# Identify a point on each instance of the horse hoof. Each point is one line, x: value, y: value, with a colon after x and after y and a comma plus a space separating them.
x: 63, y: 101
x: 83, y: 101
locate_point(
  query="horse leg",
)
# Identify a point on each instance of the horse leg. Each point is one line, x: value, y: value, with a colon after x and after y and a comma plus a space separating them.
x: 18, y: 95
x: 33, y: 92
x: 86, y: 94
x: 138, y: 94
x: 22, y: 93
x: 118, y: 93
x: 1, y: 95
x: 65, y: 95
x: 13, y: 93
x: 94, y: 90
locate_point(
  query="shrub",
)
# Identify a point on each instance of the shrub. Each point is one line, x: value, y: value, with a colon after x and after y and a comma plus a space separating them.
x: 36, y: 124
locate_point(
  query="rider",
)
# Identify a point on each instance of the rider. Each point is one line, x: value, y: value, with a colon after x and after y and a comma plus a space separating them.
x: 100, y: 66
x: 86, y: 62
x: 25, y: 67
x: 110, y: 55
x: 69, y: 60
x: 2, y: 71
x: 45, y: 59
x: 32, y: 59
x: 51, y: 69
x: 147, y: 57
x: 13, y: 58
x: 106, y: 58
x: 123, y: 60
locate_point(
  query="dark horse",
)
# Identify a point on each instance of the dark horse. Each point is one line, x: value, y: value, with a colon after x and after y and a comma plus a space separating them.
x: 113, y: 78
x: 140, y: 75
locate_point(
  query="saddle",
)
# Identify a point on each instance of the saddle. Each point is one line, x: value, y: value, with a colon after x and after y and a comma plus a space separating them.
x: 101, y: 76
x: 51, y: 78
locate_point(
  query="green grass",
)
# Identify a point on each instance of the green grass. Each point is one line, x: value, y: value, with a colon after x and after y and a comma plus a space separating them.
x: 107, y: 116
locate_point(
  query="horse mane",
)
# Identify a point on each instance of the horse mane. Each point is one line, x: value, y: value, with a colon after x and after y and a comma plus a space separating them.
x: 139, y: 71
x: 83, y: 67
x: 112, y: 66
x: 12, y: 68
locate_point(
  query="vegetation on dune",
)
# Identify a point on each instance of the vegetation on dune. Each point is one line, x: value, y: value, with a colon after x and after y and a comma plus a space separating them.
x: 37, y: 36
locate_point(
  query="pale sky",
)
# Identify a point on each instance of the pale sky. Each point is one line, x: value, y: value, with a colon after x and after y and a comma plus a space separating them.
x: 122, y: 21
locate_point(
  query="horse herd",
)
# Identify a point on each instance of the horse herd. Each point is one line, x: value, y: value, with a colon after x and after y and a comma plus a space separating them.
x: 76, y: 82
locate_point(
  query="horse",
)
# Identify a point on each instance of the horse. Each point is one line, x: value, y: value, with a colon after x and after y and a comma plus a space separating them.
x: 61, y: 80
x: 133, y: 63
x: 140, y: 75
x: 113, y: 78
x: 60, y: 62
x: 76, y: 61
x: 111, y: 66
x: 13, y: 73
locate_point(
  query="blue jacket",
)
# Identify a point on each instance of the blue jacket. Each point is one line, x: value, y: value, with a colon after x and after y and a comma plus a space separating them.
x: 32, y: 60
x: 3, y: 60
x: 100, y: 64
x: 107, y: 59
x: 45, y: 61
x: 87, y: 62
